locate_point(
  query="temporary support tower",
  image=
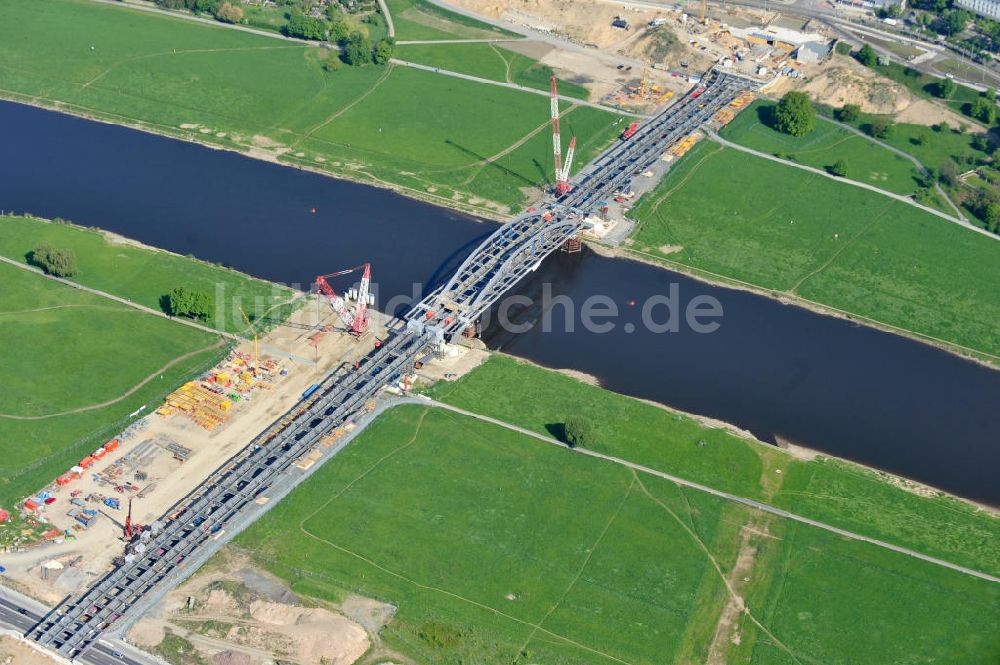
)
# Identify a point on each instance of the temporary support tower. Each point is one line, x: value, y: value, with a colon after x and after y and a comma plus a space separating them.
x: 128, y: 523
x: 358, y: 321
x: 562, y: 172
x: 256, y: 347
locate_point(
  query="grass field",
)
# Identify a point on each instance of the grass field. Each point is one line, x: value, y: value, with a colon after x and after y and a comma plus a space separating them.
x: 145, y: 275
x: 833, y: 601
x: 867, y: 254
x: 421, y: 20
x: 488, y: 61
x: 65, y: 349
x: 866, y: 161
x: 527, y: 553
x: 616, y: 580
x: 838, y: 493
x: 252, y: 93
x: 930, y: 147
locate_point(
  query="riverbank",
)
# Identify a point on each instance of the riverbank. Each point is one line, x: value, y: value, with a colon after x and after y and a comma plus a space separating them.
x: 785, y: 298
x: 178, y: 134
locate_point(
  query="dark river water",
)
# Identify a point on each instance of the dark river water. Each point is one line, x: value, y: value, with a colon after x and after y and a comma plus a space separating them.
x: 776, y: 370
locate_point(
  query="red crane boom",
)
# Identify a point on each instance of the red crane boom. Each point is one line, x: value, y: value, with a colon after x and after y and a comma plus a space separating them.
x: 562, y: 173
x: 356, y: 322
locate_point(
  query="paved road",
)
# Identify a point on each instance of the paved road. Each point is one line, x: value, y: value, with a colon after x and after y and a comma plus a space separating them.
x: 854, y: 183
x: 123, y: 301
x: 512, y: 86
x: 19, y: 613
x: 905, y: 155
x: 390, y: 28
x: 710, y: 490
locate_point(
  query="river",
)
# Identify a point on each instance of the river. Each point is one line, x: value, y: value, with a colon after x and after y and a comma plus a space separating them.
x: 778, y: 371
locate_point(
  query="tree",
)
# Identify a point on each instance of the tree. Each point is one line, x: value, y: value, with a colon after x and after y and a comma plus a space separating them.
x: 58, y: 262
x: 955, y: 21
x: 578, y: 432
x: 880, y: 128
x: 982, y: 143
x: 795, y: 114
x: 206, y: 6
x: 848, y: 112
x: 945, y: 88
x: 990, y: 94
x: 384, y: 50
x: 991, y: 216
x: 358, y: 50
x: 332, y: 63
x: 228, y: 13
x: 339, y: 30
x: 305, y: 27
x: 838, y: 168
x: 948, y: 173
x: 867, y: 56
x: 984, y: 110
x: 183, y: 301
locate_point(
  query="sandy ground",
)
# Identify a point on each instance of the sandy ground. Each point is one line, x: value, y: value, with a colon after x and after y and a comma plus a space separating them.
x: 15, y: 652
x: 241, y: 614
x: 91, y: 553
x: 926, y: 112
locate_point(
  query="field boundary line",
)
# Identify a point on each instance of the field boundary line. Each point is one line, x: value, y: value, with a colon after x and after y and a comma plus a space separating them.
x: 853, y: 183
x: 586, y: 561
x: 342, y: 111
x: 715, y: 564
x: 125, y: 395
x: 905, y: 155
x: 414, y: 582
x: 123, y: 301
x: 513, y: 86
x: 709, y: 490
x: 840, y: 250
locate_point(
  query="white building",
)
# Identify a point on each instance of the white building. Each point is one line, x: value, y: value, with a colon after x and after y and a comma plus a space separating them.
x: 987, y: 8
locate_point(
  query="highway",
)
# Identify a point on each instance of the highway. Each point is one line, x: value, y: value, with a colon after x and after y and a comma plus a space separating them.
x: 233, y: 495
x: 15, y: 612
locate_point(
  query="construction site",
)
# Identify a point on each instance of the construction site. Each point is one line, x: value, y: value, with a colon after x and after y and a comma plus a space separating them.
x: 96, y: 512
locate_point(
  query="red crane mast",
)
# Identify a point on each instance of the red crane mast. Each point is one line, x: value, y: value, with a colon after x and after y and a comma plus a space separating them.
x: 562, y: 173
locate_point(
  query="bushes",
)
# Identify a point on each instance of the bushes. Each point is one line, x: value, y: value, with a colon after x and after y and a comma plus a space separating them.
x: 838, y: 168
x: 305, y: 27
x: 848, y: 113
x: 228, y: 13
x: 358, y: 50
x: 58, y: 262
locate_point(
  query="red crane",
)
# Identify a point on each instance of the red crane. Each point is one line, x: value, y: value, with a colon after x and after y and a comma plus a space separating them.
x: 562, y: 172
x: 356, y: 322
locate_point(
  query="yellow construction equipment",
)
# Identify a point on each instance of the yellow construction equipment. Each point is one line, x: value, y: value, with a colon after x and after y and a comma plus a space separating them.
x: 256, y: 348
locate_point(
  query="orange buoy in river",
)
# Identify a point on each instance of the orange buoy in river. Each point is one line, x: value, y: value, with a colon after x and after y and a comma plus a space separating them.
x: 314, y: 211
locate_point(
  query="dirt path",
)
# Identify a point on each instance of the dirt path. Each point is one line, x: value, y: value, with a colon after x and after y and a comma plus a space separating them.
x: 128, y: 393
x: 854, y: 183
x: 751, y: 503
x: 147, y: 56
x: 420, y: 585
x: 583, y: 565
x: 373, y: 88
x: 123, y: 301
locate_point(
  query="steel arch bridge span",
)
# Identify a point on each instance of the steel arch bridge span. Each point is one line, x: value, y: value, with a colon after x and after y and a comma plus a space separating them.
x: 507, y: 255
x: 521, y: 260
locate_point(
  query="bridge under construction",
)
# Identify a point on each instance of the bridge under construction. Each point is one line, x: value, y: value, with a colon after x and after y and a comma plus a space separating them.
x: 162, y: 553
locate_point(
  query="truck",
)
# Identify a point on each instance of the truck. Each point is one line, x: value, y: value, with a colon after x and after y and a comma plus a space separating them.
x: 630, y: 131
